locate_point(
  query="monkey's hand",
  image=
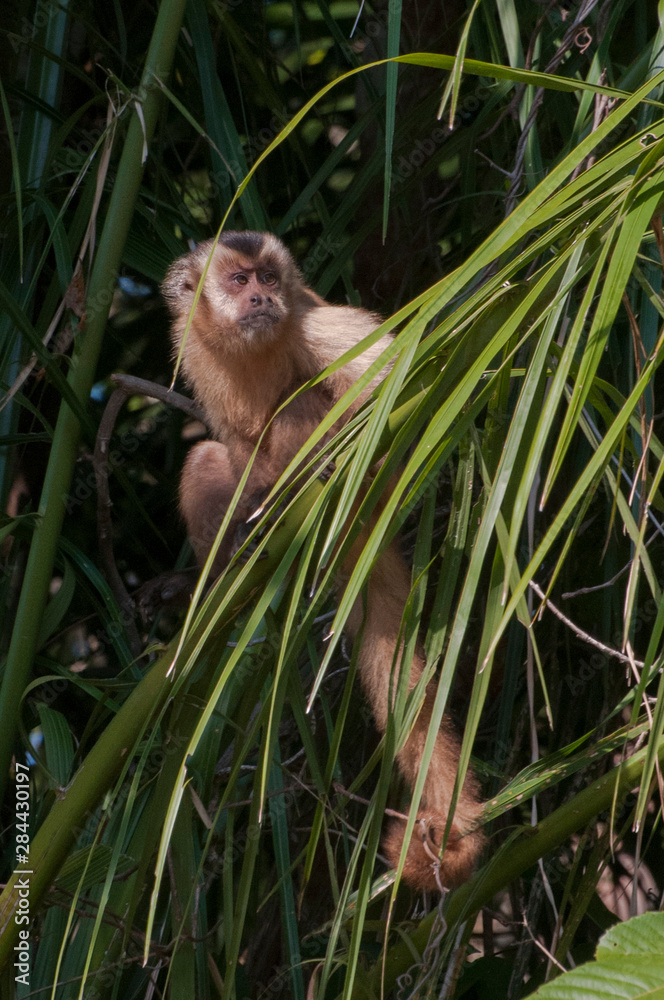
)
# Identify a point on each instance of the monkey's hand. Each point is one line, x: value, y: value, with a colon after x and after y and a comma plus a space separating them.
x: 168, y: 590
x: 243, y: 529
x: 240, y: 535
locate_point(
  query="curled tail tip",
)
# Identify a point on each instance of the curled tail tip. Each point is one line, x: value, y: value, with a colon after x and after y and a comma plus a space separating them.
x: 422, y: 869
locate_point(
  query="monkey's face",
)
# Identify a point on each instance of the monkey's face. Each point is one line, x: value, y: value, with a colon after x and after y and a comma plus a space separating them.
x: 245, y: 298
x: 252, y: 295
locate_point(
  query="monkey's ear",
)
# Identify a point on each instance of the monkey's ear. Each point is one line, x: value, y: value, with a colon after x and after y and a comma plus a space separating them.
x: 179, y: 286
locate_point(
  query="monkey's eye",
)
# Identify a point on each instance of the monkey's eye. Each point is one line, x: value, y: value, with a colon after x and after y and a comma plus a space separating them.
x: 269, y: 278
x: 240, y: 279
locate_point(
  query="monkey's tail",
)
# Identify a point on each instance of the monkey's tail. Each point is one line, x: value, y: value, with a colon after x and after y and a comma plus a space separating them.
x: 425, y: 867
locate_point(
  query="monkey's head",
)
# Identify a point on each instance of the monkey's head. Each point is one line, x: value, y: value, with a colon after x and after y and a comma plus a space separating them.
x: 250, y: 290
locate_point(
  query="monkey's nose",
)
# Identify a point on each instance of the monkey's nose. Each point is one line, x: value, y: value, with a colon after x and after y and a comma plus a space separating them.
x: 256, y: 300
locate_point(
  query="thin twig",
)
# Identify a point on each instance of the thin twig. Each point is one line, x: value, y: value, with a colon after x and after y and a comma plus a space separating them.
x: 598, y: 586
x: 340, y: 790
x: 567, y: 42
x: 127, y: 386
x: 585, y: 636
x: 104, y: 524
x: 131, y: 384
x: 543, y: 948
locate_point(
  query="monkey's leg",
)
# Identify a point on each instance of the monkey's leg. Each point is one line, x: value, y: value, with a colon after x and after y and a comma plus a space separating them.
x: 388, y: 590
x: 207, y: 486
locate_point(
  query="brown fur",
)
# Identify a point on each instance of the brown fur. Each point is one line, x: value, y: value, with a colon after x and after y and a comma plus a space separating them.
x: 257, y: 334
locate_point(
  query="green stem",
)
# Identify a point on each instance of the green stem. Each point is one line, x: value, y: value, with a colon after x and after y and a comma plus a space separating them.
x: 511, y: 861
x: 100, y: 769
x: 64, y: 452
x: 104, y: 764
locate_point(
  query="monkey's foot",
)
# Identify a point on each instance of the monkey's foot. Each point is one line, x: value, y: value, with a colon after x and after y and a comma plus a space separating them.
x: 243, y: 529
x: 424, y: 867
x: 240, y: 536
x: 326, y: 471
x: 168, y: 590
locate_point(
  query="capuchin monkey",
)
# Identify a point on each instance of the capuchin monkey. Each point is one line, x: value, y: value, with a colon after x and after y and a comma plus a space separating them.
x: 256, y: 336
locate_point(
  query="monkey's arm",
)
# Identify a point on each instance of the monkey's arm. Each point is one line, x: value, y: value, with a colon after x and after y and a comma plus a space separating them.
x: 208, y: 483
x: 331, y: 331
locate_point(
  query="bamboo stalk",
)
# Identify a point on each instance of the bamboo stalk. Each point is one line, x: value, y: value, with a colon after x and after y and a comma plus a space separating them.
x: 104, y: 763
x: 64, y: 452
x: 510, y: 862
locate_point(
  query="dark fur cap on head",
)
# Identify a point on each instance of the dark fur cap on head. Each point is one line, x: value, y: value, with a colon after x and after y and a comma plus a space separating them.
x: 184, y: 274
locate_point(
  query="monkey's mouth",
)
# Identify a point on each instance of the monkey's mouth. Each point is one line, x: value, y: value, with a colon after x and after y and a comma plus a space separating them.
x: 261, y: 319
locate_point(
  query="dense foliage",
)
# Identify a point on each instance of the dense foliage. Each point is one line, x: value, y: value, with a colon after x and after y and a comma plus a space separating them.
x: 207, y: 791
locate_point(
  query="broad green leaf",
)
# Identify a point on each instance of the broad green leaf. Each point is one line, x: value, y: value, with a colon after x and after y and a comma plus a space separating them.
x: 629, y: 964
